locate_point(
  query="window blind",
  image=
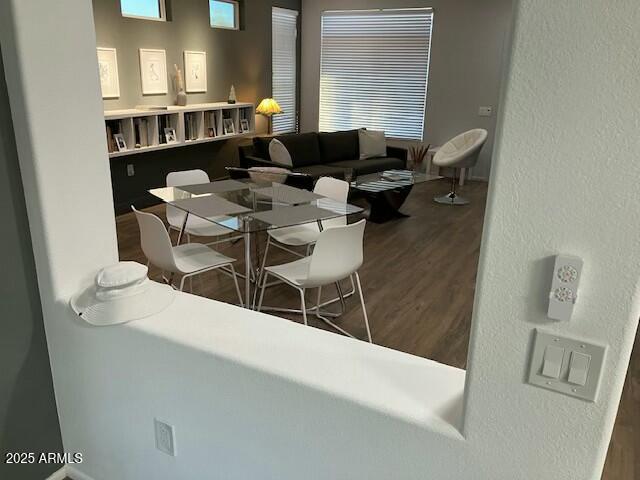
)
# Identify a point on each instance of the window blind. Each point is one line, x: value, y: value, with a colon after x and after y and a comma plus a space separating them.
x: 284, y: 76
x: 374, y: 71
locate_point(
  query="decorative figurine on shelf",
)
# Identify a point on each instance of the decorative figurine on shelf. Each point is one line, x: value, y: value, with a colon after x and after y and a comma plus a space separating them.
x: 232, y: 95
x: 181, y: 98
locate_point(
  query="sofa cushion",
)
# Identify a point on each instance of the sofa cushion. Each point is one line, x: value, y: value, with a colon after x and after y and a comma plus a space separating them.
x: 303, y: 148
x: 261, y: 147
x: 370, y: 165
x: 279, y: 153
x: 372, y: 143
x: 317, y: 171
x: 339, y: 146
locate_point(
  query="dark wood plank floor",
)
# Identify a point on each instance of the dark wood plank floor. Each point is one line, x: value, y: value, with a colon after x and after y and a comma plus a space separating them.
x: 418, y: 280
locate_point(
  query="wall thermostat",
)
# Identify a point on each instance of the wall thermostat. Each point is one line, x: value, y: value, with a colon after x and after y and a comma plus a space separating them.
x: 564, y: 287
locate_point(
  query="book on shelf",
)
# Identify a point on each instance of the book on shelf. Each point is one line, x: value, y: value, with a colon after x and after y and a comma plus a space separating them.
x: 190, y: 126
x: 141, y: 127
x: 112, y: 128
x: 162, y: 124
x: 210, y: 124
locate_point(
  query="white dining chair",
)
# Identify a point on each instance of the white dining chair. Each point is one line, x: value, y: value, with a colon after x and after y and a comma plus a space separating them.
x: 306, y: 235
x: 187, y: 260
x: 196, y: 226
x: 338, y: 254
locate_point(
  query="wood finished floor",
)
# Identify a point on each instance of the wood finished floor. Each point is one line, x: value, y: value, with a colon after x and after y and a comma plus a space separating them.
x: 418, y: 281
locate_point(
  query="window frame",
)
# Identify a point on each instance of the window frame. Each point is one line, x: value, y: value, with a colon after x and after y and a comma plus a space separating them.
x: 163, y: 13
x: 296, y: 127
x: 400, y: 10
x: 236, y: 14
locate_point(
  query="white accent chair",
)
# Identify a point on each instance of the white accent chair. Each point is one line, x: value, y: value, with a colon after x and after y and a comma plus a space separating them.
x: 188, y: 259
x: 338, y: 254
x: 461, y: 151
x: 196, y: 226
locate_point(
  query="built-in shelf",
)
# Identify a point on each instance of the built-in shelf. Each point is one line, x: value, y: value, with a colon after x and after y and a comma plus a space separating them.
x: 193, y: 124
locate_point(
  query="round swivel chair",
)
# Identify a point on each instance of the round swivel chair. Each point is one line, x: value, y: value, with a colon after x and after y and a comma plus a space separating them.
x: 459, y: 152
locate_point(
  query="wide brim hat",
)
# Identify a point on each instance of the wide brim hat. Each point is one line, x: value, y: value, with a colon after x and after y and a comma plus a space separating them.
x: 121, y: 293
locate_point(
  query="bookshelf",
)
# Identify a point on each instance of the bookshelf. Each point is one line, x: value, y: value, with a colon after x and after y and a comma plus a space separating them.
x: 193, y: 124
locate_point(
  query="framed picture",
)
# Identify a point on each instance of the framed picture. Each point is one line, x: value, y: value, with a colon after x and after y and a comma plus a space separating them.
x: 108, y: 68
x: 229, y: 127
x: 170, y: 135
x: 120, y: 142
x: 195, y: 71
x: 244, y: 125
x: 153, y: 72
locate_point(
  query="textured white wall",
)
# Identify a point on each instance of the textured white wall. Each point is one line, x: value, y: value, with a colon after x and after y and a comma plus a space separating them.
x: 467, y: 64
x: 565, y: 181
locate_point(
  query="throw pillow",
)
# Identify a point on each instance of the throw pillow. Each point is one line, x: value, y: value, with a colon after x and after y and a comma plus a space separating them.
x: 279, y: 153
x: 372, y: 144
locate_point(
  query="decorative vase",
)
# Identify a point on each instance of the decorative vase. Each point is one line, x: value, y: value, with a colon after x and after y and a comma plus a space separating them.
x: 232, y: 95
x: 181, y: 98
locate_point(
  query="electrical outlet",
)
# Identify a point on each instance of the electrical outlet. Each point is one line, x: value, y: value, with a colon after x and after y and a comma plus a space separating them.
x: 165, y: 437
x: 130, y: 170
x: 485, y: 111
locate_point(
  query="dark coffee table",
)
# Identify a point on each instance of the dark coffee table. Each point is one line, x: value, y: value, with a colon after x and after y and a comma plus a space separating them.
x: 387, y: 191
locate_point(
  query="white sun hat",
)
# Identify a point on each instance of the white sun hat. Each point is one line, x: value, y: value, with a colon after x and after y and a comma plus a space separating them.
x: 121, y: 293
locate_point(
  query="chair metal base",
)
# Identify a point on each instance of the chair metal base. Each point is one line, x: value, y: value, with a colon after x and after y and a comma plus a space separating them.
x: 451, y: 199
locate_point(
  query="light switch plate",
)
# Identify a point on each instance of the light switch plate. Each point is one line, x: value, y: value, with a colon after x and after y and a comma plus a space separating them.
x: 485, y: 111
x: 589, y: 390
x: 165, y: 437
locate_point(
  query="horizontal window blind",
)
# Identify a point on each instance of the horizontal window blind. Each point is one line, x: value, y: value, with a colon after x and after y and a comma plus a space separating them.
x: 284, y: 28
x: 374, y: 71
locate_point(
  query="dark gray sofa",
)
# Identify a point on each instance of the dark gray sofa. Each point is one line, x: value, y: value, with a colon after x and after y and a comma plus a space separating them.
x: 322, y: 154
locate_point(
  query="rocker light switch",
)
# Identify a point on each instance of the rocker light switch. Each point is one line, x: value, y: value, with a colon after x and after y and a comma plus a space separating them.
x: 566, y: 365
x: 552, y: 364
x: 579, y: 368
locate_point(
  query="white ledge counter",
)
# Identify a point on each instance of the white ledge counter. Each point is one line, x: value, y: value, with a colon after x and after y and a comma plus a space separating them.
x: 411, y: 388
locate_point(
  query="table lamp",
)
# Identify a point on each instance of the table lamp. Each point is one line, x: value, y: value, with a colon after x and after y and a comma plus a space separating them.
x: 269, y: 107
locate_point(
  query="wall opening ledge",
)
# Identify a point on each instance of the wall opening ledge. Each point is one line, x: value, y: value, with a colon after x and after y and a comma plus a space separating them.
x: 196, y: 333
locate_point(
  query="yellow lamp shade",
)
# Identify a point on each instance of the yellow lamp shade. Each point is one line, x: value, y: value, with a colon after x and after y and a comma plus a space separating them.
x: 268, y: 107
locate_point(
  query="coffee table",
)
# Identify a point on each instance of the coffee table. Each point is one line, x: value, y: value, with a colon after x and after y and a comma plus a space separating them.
x: 387, y: 191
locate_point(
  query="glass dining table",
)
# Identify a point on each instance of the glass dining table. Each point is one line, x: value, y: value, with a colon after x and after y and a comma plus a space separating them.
x: 247, y: 207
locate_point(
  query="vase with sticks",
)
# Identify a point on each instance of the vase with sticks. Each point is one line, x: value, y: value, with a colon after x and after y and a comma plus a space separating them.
x: 418, y: 154
x: 181, y: 97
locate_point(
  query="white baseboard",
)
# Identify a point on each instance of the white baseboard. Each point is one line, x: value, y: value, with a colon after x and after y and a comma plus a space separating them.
x: 58, y: 474
x: 69, y: 471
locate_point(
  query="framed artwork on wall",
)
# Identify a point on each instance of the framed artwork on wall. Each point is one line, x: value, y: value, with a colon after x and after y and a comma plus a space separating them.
x: 195, y: 70
x: 153, y: 72
x: 108, y: 68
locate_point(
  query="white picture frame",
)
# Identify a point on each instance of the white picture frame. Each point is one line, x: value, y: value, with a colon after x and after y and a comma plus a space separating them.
x: 108, y: 71
x: 121, y: 143
x: 245, y: 127
x: 153, y: 72
x: 170, y: 135
x: 228, y: 126
x: 195, y: 71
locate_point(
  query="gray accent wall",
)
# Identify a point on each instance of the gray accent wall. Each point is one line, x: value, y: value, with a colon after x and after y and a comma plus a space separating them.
x: 468, y: 59
x: 241, y: 58
x: 28, y: 414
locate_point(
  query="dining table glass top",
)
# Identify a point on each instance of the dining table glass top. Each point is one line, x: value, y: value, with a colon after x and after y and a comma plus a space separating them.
x: 247, y: 206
